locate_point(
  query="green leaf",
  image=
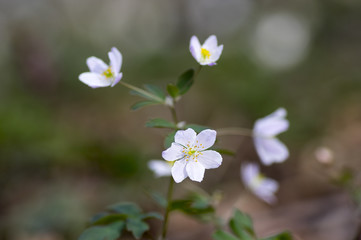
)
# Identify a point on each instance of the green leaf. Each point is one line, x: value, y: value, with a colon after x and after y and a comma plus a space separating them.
x: 159, y: 199
x: 225, y: 152
x: 157, y: 91
x: 173, y: 90
x: 137, y: 227
x: 109, y: 232
x: 195, y: 127
x: 160, y: 123
x: 169, y: 139
x: 126, y: 208
x: 110, y: 218
x: 280, y: 236
x: 241, y: 225
x: 222, y: 235
x: 142, y: 104
x: 152, y: 215
x: 185, y: 81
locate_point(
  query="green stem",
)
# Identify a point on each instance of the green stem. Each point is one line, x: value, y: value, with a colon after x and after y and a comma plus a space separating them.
x: 141, y: 91
x: 169, y: 202
x: 235, y: 131
x: 174, y: 115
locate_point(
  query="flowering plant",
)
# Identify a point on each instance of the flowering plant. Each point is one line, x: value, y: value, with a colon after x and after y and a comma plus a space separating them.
x: 188, y: 154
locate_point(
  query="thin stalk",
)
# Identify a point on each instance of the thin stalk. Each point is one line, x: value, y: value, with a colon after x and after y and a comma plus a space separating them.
x: 141, y: 91
x: 174, y: 115
x: 169, y: 202
x: 197, y: 72
x: 235, y: 131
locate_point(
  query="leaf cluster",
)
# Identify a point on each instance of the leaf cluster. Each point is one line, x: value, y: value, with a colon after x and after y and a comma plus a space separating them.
x: 118, y: 218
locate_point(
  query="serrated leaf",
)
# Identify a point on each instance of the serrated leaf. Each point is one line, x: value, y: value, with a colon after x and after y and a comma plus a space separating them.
x: 142, y: 104
x: 157, y: 91
x: 222, y: 235
x: 152, y: 215
x: 169, y: 139
x: 196, y: 127
x: 173, y: 90
x: 185, y: 81
x: 160, y: 123
x: 241, y: 225
x: 126, y: 208
x: 137, y: 227
x: 110, y: 218
x: 109, y: 232
x: 281, y: 236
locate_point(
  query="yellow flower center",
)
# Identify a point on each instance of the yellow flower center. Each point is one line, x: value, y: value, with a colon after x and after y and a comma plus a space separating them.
x: 192, y: 152
x: 108, y: 73
x: 205, y: 53
x: 257, y: 180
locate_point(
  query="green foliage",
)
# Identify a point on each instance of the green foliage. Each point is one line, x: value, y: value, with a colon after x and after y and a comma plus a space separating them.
x: 280, y: 236
x: 157, y: 91
x: 119, y: 217
x: 159, y: 199
x: 173, y: 90
x: 185, y: 81
x: 195, y: 205
x: 169, y: 139
x: 242, y: 229
x: 142, y: 104
x: 108, y: 232
x: 160, y: 123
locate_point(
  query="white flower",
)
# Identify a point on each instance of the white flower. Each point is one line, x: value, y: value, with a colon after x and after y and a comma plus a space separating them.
x: 208, y: 53
x: 160, y: 168
x: 261, y: 186
x: 101, y: 74
x: 189, y: 151
x: 268, y: 147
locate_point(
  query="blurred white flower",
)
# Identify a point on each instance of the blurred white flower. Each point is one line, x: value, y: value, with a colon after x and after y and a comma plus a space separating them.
x: 208, y: 53
x: 261, y: 186
x: 160, y: 168
x: 189, y: 151
x: 324, y: 155
x: 268, y: 147
x: 101, y: 74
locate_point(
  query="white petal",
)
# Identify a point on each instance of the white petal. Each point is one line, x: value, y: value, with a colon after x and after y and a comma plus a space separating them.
x: 195, y: 48
x: 271, y: 150
x: 211, y: 43
x: 160, y: 168
x: 117, y: 79
x: 94, y: 80
x: 115, y: 59
x: 206, y: 138
x: 266, y: 190
x: 272, y: 124
x: 195, y: 171
x: 216, y: 54
x: 96, y: 65
x: 185, y: 137
x: 248, y: 172
x: 179, y: 172
x: 173, y: 153
x: 210, y: 159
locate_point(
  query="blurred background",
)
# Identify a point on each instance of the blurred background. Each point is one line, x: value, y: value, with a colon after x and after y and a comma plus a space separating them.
x: 67, y: 151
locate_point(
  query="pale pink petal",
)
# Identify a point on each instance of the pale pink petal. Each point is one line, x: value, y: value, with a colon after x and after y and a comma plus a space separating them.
x: 272, y: 124
x: 210, y: 159
x: 210, y: 43
x: 117, y: 79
